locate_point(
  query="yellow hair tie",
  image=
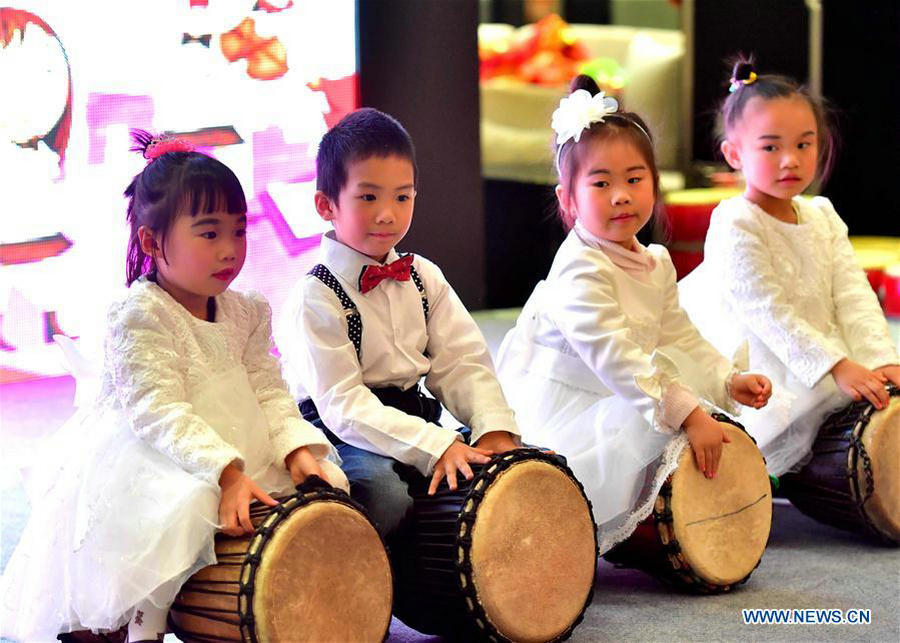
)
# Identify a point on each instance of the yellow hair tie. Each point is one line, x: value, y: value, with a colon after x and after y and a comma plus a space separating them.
x: 736, y: 84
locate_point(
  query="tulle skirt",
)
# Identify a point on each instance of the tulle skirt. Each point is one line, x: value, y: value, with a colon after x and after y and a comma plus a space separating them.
x: 612, y: 450
x: 115, y: 522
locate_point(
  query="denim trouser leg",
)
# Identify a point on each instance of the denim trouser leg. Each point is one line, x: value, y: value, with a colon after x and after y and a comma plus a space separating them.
x: 376, y: 485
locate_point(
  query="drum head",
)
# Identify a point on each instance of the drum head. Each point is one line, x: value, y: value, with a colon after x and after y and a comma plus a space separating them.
x: 723, y: 524
x: 881, y: 440
x: 533, y: 552
x: 324, y: 576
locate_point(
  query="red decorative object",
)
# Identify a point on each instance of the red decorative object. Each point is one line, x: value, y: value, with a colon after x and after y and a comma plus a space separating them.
x: 547, y: 54
x: 266, y: 57
x: 341, y: 95
x: 891, y: 286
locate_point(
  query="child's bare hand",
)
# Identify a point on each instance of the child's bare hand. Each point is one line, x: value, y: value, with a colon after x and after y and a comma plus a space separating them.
x: 859, y: 382
x: 302, y: 464
x: 497, y: 442
x: 751, y: 389
x: 706, y: 436
x: 457, y: 458
x: 238, y: 491
x: 891, y: 372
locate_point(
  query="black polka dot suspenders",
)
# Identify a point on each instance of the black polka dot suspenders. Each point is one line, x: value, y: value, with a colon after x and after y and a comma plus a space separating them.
x: 421, y: 288
x: 354, y: 320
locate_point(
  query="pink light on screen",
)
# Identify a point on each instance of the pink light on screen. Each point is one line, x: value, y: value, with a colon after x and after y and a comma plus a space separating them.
x: 104, y: 110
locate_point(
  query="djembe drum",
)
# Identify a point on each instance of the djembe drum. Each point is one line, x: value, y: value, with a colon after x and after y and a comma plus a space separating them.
x: 510, y: 556
x: 706, y: 535
x: 314, y: 570
x: 853, y: 479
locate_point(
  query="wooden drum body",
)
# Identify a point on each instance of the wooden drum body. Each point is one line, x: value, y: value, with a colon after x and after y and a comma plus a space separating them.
x: 706, y: 535
x: 510, y: 556
x: 853, y: 479
x: 314, y: 570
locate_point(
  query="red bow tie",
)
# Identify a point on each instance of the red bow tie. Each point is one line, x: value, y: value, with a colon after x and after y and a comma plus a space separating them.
x: 372, y: 275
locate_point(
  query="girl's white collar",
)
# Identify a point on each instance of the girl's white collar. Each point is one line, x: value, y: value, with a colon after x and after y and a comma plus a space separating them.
x: 632, y: 260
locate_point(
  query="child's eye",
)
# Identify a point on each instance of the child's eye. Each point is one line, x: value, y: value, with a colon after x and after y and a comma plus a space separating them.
x: 403, y: 198
x: 601, y: 184
x: 635, y: 179
x: 240, y: 233
x: 367, y: 197
x: 208, y: 235
x: 803, y: 145
x: 768, y: 148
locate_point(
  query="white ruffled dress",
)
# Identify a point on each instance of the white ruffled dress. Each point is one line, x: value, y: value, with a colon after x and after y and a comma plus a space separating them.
x: 124, y: 497
x: 796, y: 293
x: 603, y: 366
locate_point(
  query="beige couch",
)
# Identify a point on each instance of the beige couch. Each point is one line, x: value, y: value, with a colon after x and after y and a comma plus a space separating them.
x: 515, y: 117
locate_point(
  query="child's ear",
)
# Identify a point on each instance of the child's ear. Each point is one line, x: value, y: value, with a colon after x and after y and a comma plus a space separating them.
x: 149, y: 245
x: 325, y: 206
x: 730, y: 152
x: 562, y: 195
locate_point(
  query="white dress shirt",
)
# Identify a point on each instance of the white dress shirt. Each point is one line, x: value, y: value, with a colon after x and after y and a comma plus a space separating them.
x: 398, y: 348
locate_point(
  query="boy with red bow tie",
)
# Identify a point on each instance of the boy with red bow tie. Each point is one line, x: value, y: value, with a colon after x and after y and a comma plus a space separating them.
x: 366, y: 324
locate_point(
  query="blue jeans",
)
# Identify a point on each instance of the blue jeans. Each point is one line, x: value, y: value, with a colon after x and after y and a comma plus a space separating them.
x: 376, y: 483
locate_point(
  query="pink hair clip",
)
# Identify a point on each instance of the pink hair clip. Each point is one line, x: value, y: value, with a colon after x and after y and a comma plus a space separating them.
x: 165, y: 144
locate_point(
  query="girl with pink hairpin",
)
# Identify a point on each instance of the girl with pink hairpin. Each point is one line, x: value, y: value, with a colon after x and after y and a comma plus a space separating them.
x: 192, y: 422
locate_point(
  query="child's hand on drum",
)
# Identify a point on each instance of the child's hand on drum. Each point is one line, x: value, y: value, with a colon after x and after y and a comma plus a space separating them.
x: 891, y: 372
x: 302, y: 464
x: 859, y: 382
x: 238, y: 491
x: 751, y: 389
x: 706, y: 436
x: 497, y: 442
x: 457, y: 458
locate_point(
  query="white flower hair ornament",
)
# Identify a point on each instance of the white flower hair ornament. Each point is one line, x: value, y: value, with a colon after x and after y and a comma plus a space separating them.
x: 576, y: 113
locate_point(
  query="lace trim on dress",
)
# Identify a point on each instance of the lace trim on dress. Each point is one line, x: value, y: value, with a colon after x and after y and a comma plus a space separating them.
x: 667, y: 465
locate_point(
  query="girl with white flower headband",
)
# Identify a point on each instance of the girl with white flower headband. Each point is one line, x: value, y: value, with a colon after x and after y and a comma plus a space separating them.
x: 779, y: 271
x: 603, y: 365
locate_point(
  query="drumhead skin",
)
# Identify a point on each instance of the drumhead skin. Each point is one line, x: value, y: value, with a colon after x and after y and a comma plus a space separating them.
x: 722, y: 524
x: 321, y: 574
x: 881, y: 440
x: 325, y: 576
x: 533, y: 552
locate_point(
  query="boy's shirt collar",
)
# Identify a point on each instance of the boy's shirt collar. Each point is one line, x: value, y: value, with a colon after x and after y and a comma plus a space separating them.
x: 346, y: 262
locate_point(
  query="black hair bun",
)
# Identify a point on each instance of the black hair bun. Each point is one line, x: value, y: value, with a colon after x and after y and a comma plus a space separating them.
x: 583, y: 81
x: 742, y: 70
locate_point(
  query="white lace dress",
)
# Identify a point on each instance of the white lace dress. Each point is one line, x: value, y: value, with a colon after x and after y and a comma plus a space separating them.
x: 798, y: 295
x: 125, y: 496
x: 603, y: 368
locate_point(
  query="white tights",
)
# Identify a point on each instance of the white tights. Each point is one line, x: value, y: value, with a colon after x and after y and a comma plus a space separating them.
x: 148, y: 622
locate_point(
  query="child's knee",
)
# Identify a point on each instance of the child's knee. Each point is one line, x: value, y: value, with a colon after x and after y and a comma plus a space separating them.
x: 384, y: 495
